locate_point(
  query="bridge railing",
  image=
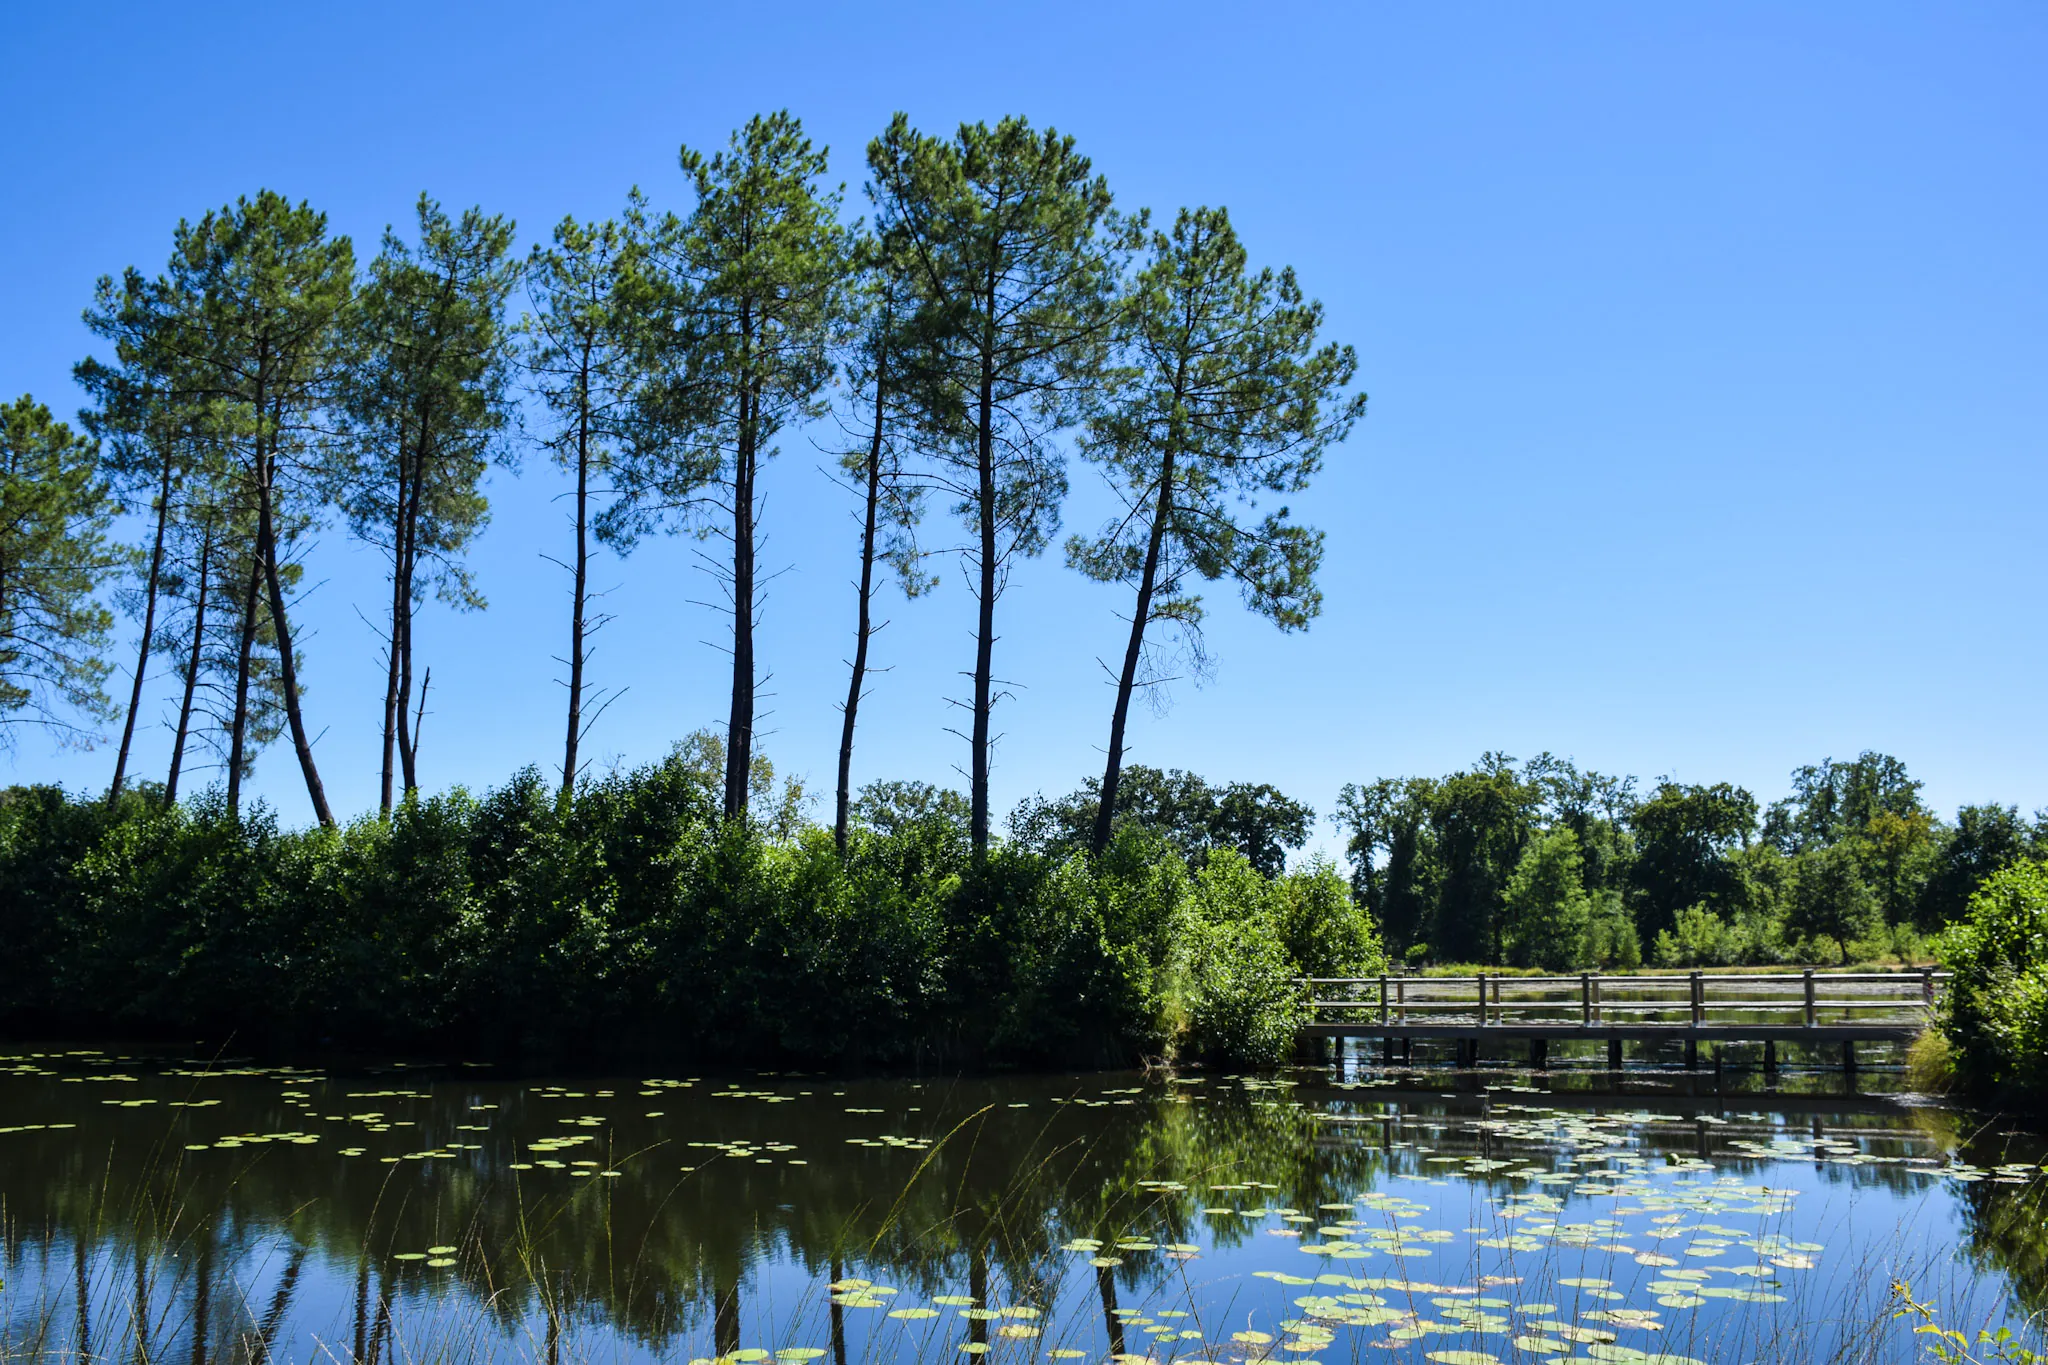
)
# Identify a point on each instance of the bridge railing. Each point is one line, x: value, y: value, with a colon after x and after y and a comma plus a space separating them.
x: 1679, y: 999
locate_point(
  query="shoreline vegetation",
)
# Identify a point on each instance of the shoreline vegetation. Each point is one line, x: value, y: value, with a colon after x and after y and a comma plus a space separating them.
x: 638, y: 922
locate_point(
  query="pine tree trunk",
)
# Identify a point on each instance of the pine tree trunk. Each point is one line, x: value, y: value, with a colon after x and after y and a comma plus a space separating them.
x: 865, y: 628
x: 408, y: 740
x: 288, y: 673
x: 239, y: 726
x: 1112, y: 772
x: 156, y: 565
x: 581, y: 574
x: 985, y: 623
x: 739, y: 728
x: 192, y: 666
x: 387, y: 772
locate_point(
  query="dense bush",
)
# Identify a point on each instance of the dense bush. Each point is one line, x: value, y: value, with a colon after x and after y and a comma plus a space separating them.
x: 1995, y: 1015
x: 634, y: 921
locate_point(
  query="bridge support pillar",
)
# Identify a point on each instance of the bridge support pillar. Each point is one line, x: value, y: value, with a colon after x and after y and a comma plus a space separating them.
x: 1539, y: 1053
x: 1387, y: 1050
x: 1468, y: 1052
x: 1849, y: 1060
x: 1770, y: 1056
x: 1692, y: 1054
x: 1614, y: 1054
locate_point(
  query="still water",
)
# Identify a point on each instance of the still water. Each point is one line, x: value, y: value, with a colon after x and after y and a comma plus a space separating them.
x: 200, y: 1209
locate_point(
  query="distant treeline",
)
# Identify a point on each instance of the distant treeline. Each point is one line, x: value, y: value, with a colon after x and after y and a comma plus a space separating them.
x: 1541, y: 864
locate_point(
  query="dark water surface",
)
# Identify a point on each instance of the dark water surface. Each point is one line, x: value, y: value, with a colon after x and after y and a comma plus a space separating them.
x: 193, y: 1210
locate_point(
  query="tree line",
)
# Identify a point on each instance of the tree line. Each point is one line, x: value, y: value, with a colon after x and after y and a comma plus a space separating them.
x: 993, y: 310
x: 1543, y: 864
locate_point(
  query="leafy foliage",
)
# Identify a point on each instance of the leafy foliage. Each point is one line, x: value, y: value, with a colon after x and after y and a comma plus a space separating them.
x: 636, y: 919
x: 54, y: 512
x: 1995, y: 1014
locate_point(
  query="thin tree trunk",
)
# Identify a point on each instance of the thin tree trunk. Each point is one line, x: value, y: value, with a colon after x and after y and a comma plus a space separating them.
x: 581, y: 572
x: 288, y: 673
x: 419, y: 716
x: 239, y: 726
x: 192, y: 664
x: 156, y: 565
x: 739, y: 726
x: 985, y: 624
x: 387, y: 773
x: 865, y: 628
x: 408, y: 747
x: 1112, y: 772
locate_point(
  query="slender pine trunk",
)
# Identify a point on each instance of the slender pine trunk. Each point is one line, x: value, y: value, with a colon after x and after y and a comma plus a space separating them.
x: 581, y: 574
x: 238, y: 742
x: 408, y: 745
x: 1112, y: 772
x: 192, y: 664
x: 288, y: 673
x: 865, y: 628
x: 739, y: 729
x: 156, y: 565
x: 985, y: 624
x: 387, y: 772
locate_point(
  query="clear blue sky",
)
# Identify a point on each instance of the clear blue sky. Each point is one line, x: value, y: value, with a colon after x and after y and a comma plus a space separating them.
x: 1705, y: 343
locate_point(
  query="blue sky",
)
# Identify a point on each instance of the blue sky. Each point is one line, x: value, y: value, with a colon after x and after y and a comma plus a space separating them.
x: 1705, y: 348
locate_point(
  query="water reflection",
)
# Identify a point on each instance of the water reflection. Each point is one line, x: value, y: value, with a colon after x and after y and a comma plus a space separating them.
x: 159, y: 1209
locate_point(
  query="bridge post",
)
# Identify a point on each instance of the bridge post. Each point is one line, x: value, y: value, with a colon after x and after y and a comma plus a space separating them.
x: 1383, y: 999
x: 1927, y: 987
x: 1539, y: 1053
x: 1699, y: 999
x: 1692, y: 1054
x: 1770, y: 1056
x: 1614, y: 1054
x: 1482, y: 1000
x: 1585, y: 998
x: 1809, y: 997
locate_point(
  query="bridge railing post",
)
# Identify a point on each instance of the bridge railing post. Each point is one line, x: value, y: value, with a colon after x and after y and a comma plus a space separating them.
x: 1809, y: 997
x: 1927, y: 987
x: 1585, y: 998
x: 1482, y: 1000
x: 1699, y: 999
x: 1383, y: 999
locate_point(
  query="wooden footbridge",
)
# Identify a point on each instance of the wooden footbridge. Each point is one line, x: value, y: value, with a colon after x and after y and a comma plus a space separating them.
x: 1806, y: 1007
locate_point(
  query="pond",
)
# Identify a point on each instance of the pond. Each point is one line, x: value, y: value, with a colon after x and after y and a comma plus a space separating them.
x: 160, y: 1207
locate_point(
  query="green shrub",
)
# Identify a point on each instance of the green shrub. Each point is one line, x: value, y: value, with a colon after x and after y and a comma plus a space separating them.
x: 1241, y: 1004
x: 1325, y: 931
x: 634, y: 921
x: 1995, y: 1015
